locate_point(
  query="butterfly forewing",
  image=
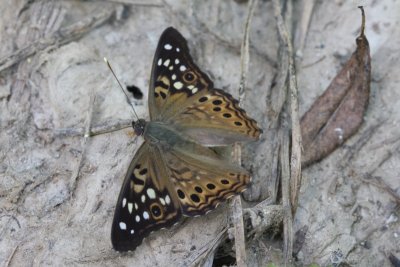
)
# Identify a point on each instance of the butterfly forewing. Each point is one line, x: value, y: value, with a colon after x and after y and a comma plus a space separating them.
x: 145, y: 203
x: 183, y: 96
x: 174, y: 78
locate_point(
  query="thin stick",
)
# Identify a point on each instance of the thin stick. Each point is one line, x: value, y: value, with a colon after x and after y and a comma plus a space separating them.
x: 89, y: 114
x: 120, y: 85
x: 284, y: 150
x: 286, y: 205
x: 137, y: 3
x: 307, y: 8
x: 236, y: 215
x: 362, y: 21
x: 290, y: 201
x: 245, y: 55
x: 7, y: 263
x: 236, y: 203
x: 76, y: 172
x: 295, y: 156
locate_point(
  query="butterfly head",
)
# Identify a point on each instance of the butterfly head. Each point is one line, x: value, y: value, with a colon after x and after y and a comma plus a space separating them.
x: 138, y: 126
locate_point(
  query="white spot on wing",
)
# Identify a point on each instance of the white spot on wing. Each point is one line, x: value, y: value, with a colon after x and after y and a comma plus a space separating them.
x: 130, y: 207
x: 143, y: 198
x: 146, y: 215
x: 167, y: 200
x: 124, y: 202
x: 132, y: 232
x: 178, y: 85
x: 151, y: 193
x: 168, y: 46
x: 171, y: 67
x: 162, y: 201
x: 194, y: 90
x: 136, y: 206
x: 177, y: 61
x: 166, y: 62
x: 159, y: 62
x: 190, y: 86
x: 177, y: 49
x: 122, y: 225
x: 182, y: 68
x: 173, y: 77
x: 137, y: 218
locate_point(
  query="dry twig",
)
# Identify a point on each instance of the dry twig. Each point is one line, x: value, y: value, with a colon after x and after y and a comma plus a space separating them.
x: 307, y: 8
x: 136, y: 3
x: 76, y: 172
x: 291, y: 177
x: 245, y: 55
x: 8, y: 262
x: 235, y: 204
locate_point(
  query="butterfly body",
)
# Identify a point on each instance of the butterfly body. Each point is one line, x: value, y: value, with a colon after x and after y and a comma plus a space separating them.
x: 175, y: 173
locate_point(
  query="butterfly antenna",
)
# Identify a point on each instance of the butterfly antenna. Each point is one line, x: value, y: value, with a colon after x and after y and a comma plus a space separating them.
x: 120, y: 85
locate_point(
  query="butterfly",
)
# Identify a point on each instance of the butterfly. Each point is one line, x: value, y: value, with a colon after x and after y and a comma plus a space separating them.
x: 176, y: 172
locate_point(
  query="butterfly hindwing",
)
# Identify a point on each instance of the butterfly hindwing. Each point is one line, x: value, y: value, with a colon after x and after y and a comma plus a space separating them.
x: 214, y: 118
x: 203, y: 180
x: 145, y: 203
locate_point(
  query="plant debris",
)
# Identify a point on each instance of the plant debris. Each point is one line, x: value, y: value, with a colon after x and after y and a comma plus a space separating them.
x: 338, y: 113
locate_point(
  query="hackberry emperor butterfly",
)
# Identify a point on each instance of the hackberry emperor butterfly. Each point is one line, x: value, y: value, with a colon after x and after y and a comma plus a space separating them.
x: 174, y: 172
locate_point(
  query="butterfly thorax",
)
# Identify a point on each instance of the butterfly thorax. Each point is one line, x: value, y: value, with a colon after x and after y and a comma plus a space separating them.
x: 139, y: 126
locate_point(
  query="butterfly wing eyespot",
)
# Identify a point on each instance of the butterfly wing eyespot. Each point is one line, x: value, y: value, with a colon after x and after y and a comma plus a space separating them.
x: 189, y: 77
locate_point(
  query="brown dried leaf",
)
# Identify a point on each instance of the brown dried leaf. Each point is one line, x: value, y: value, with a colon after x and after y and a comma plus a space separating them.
x: 338, y: 113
